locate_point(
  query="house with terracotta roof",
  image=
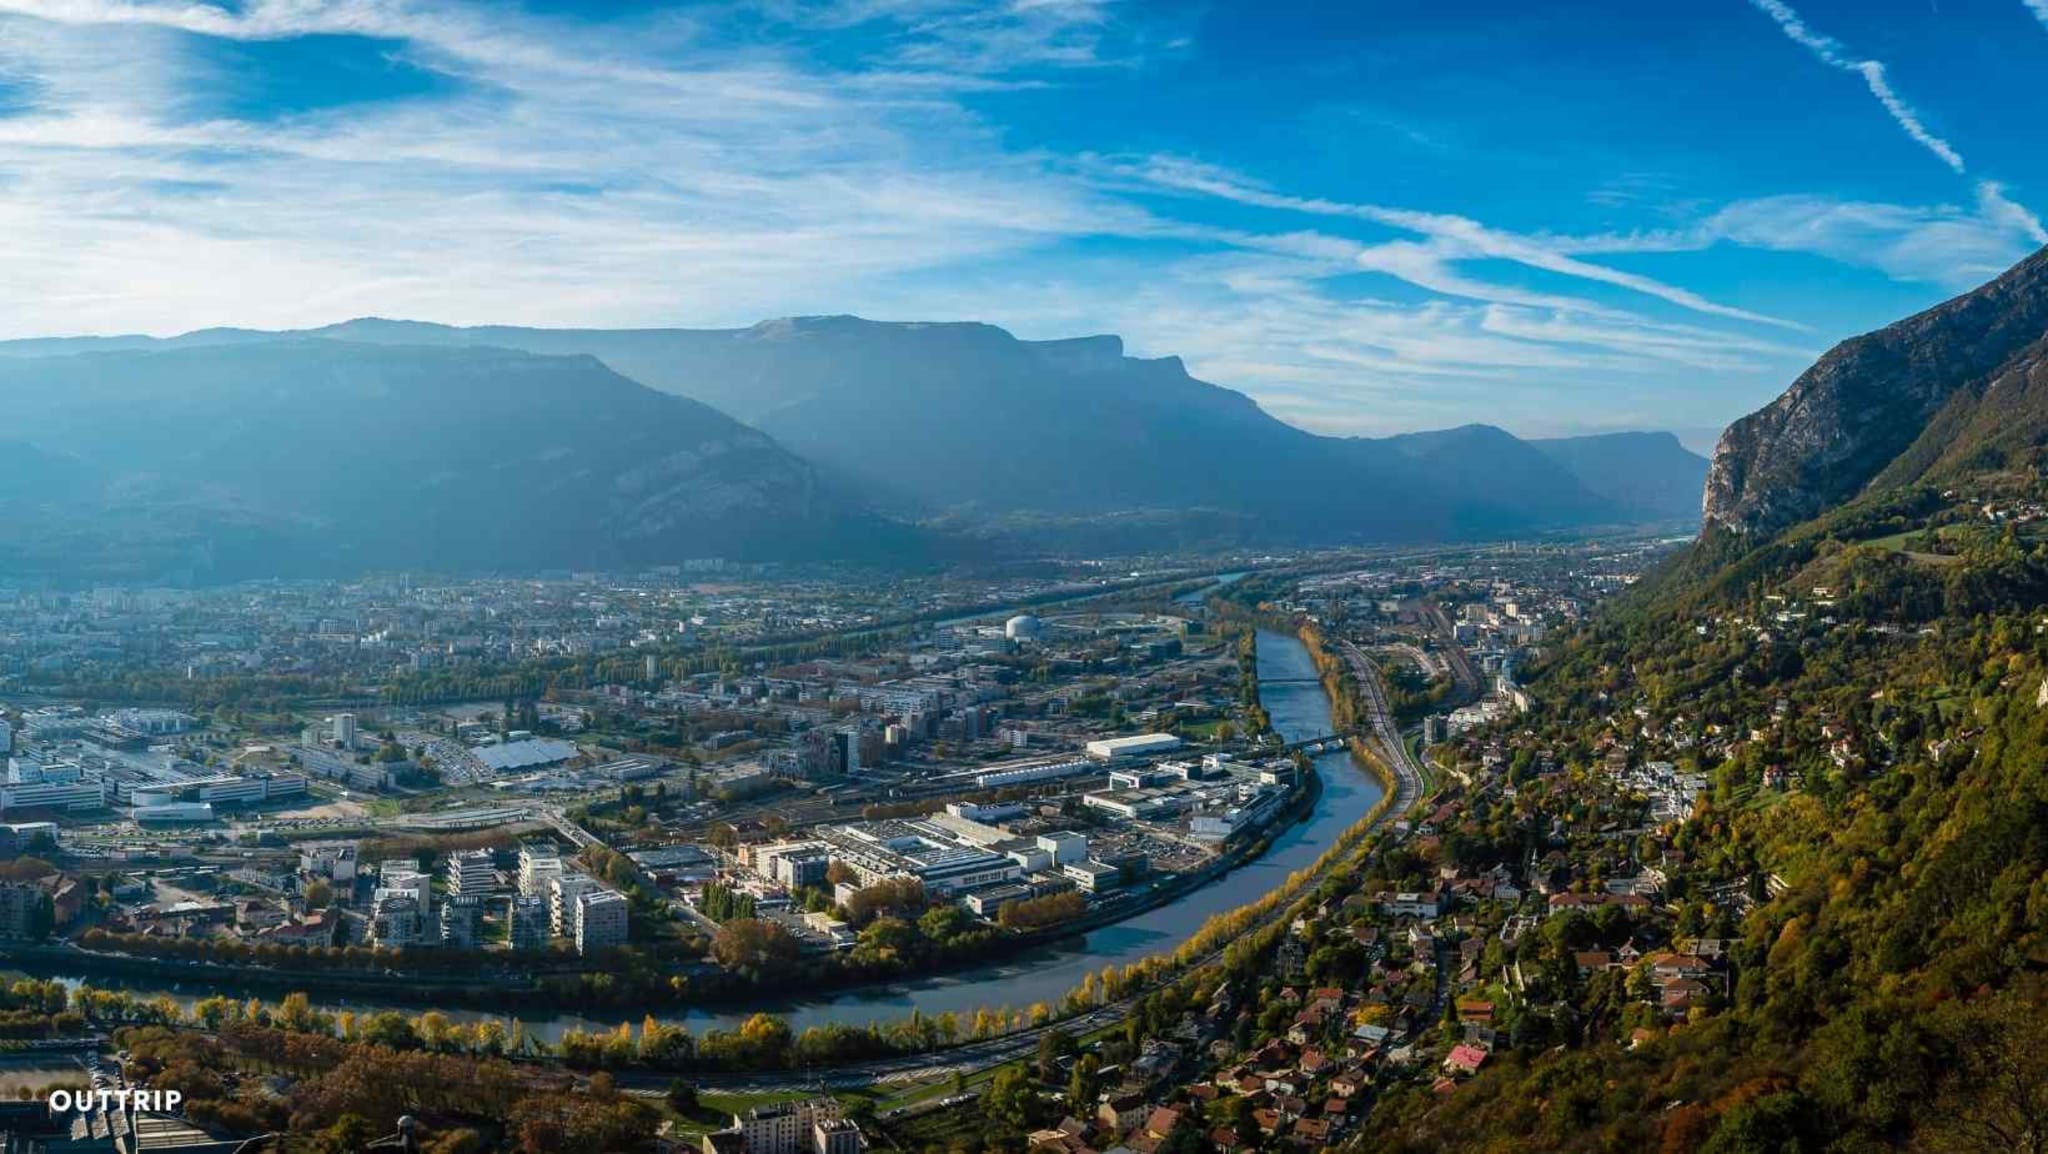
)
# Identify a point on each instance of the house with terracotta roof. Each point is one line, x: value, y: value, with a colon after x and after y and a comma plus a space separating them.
x: 1592, y: 961
x: 1161, y: 1122
x: 1465, y: 1059
x: 1312, y: 1131
x: 1680, y: 994
x: 1664, y: 966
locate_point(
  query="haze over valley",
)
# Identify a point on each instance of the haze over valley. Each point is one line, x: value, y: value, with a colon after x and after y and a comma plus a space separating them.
x: 368, y: 445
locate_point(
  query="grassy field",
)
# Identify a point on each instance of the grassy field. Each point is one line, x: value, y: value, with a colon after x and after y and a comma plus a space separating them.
x: 1205, y: 730
x: 714, y: 1111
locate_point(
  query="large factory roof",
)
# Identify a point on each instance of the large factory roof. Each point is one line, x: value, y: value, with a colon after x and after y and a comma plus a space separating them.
x: 515, y: 755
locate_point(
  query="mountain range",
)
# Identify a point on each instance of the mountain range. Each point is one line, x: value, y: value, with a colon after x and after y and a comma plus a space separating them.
x: 1077, y: 427
x: 301, y: 456
x: 381, y: 443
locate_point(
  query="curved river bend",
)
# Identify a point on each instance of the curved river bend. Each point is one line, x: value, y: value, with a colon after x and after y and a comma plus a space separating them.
x: 1294, y: 699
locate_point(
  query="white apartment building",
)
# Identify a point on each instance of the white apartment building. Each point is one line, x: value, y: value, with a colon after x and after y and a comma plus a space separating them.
x: 334, y: 860
x: 835, y: 1136
x: 539, y: 866
x: 529, y: 925
x: 601, y: 920
x: 400, y: 875
x: 396, y: 919
x: 471, y: 874
x: 785, y: 1127
x: 462, y: 920
x: 563, y: 891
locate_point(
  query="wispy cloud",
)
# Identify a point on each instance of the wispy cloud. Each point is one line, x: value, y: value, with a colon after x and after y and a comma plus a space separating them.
x: 1953, y: 246
x: 1831, y: 52
x: 1990, y: 194
x: 565, y: 181
x: 2015, y: 217
x: 984, y: 39
x: 2039, y: 8
x: 1946, y: 245
x: 675, y: 170
x: 1449, y: 238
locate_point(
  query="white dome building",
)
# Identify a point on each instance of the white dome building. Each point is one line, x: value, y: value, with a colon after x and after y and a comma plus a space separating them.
x: 1023, y: 627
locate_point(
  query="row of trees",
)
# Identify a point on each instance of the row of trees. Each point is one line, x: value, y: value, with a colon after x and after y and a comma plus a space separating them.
x: 1040, y: 913
x: 722, y: 903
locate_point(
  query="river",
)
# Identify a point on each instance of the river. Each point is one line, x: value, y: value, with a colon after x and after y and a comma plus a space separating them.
x: 1294, y: 699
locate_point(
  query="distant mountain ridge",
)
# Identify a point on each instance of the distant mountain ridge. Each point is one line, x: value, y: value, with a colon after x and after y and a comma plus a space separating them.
x: 952, y: 416
x: 1652, y: 475
x: 311, y: 456
x: 1042, y: 443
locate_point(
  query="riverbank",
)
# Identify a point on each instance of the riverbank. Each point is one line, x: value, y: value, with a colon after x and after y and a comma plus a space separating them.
x: 1043, y: 973
x: 1354, y: 811
x: 472, y: 991
x: 1347, y: 712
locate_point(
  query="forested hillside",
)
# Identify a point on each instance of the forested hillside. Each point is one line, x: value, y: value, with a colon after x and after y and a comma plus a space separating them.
x: 1867, y: 697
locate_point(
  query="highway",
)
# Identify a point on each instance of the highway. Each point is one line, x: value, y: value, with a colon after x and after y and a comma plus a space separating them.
x: 963, y: 1059
x: 1386, y: 734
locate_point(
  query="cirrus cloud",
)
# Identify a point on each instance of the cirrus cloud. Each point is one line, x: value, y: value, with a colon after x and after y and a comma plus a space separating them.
x: 670, y: 169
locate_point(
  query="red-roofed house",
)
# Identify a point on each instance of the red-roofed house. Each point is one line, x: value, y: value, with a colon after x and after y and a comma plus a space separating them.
x: 1162, y: 1122
x: 1465, y: 1059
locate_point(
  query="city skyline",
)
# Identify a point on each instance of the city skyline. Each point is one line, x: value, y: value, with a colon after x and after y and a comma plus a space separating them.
x: 1370, y: 221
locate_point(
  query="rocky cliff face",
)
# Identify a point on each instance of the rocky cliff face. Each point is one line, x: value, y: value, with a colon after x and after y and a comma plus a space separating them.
x: 1869, y: 399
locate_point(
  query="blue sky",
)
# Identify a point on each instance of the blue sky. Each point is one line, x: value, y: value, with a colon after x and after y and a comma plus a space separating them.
x: 1371, y: 216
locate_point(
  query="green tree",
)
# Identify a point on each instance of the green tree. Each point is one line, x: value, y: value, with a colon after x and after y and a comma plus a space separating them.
x: 1084, y: 1085
x: 1012, y: 1101
x: 1053, y: 1045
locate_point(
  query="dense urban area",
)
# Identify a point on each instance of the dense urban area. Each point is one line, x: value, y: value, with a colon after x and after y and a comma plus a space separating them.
x: 1604, y: 844
x: 325, y: 855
